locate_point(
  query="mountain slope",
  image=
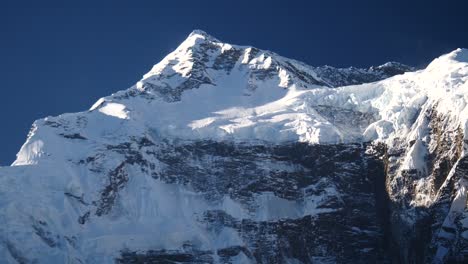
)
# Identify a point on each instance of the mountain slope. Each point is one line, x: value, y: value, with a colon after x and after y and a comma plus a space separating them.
x: 231, y: 154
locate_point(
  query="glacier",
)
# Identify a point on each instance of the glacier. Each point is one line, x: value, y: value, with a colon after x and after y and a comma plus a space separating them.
x: 230, y: 154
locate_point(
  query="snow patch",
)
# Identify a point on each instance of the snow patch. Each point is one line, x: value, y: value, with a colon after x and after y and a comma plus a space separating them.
x: 115, y: 110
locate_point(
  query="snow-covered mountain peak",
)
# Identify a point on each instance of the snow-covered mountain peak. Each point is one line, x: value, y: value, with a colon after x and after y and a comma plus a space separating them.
x: 203, y: 60
x: 447, y: 75
x: 232, y: 154
x: 392, y: 68
x: 460, y: 55
x: 198, y: 33
x: 453, y: 59
x: 213, y: 90
x: 196, y: 39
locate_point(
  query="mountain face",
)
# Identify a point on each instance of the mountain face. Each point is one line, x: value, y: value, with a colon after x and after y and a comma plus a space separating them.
x: 232, y: 154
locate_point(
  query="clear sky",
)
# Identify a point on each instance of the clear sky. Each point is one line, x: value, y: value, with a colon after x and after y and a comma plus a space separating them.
x: 61, y: 56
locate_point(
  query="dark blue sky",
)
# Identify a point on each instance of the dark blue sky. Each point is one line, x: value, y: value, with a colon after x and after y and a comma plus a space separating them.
x: 61, y: 56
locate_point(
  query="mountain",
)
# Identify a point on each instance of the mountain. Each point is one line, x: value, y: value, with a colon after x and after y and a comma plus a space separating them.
x: 232, y: 154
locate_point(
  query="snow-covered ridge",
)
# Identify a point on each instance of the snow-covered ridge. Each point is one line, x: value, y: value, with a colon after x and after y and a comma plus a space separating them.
x: 201, y: 51
x: 207, y: 89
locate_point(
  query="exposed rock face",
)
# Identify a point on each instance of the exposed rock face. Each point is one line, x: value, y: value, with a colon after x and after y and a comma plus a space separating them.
x: 311, y: 176
x: 303, y: 202
x: 232, y: 154
x: 423, y: 228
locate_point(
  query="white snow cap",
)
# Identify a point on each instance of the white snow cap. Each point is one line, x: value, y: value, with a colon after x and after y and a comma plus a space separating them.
x: 206, y: 89
x: 200, y: 33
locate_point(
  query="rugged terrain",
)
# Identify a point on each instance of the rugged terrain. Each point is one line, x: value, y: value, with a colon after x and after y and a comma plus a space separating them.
x: 232, y: 154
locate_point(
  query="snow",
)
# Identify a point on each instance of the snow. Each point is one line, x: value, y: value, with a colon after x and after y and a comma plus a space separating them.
x: 280, y: 108
x: 240, y: 106
x: 416, y: 157
x: 272, y: 113
x: 114, y: 109
x: 97, y: 104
